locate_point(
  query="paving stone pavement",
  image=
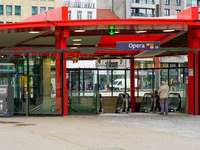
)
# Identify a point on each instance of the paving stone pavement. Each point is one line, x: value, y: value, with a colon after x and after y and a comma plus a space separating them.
x: 101, y: 132
x: 174, y: 123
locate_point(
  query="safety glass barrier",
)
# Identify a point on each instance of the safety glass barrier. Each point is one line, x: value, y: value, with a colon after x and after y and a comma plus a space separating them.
x: 45, y: 88
x: 147, y: 103
x: 80, y: 102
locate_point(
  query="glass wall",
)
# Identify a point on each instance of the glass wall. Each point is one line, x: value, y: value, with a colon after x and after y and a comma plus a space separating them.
x: 45, y: 83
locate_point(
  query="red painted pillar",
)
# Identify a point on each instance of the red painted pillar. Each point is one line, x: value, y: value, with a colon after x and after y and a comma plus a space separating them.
x: 132, y: 88
x: 193, y: 70
x: 60, y: 43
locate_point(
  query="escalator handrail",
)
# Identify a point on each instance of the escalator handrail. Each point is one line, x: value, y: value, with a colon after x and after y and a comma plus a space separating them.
x: 179, y: 98
x: 100, y: 103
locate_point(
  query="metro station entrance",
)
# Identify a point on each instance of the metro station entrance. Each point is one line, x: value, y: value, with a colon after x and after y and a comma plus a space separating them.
x: 105, y: 88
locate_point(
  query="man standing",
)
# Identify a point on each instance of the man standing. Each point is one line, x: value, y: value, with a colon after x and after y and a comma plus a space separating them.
x: 163, y: 94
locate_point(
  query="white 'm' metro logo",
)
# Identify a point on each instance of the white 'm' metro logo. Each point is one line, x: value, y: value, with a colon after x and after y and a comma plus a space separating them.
x: 133, y: 46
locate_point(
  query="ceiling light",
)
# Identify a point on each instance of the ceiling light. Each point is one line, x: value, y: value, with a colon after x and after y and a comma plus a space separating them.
x: 2, y: 56
x: 128, y: 56
x: 106, y: 55
x: 79, y: 30
x: 140, y: 31
x: 73, y: 47
x: 77, y: 40
x: 77, y: 44
x: 168, y: 30
x: 34, y: 32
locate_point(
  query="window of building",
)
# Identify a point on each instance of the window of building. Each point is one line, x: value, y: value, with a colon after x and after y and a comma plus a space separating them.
x: 8, y: 22
x: 9, y: 10
x: 167, y: 12
x: 51, y: 0
x: 167, y: 2
x: 142, y: 12
x: 89, y: 15
x: 178, y: 2
x: 34, y: 10
x: 79, y: 15
x: 18, y: 10
x: 178, y: 10
x: 69, y: 15
x: 1, y: 9
x: 42, y: 9
x: 143, y: 1
x: 50, y: 8
x: 1, y: 22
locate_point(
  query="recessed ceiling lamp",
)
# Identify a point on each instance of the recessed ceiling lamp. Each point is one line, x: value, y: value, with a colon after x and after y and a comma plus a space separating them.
x: 128, y: 56
x: 142, y: 31
x: 106, y: 55
x: 34, y: 32
x: 73, y: 47
x: 77, y: 40
x: 77, y: 44
x: 79, y: 30
x: 168, y: 30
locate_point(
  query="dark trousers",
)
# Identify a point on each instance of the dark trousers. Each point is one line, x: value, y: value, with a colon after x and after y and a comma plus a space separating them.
x: 164, y: 104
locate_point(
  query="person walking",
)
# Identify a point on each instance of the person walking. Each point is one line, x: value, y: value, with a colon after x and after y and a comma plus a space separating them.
x: 163, y: 94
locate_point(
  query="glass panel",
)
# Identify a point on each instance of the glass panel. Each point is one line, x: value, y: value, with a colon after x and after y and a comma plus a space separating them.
x: 73, y: 80
x: 164, y: 76
x: 8, y: 10
x: 1, y: 9
x: 34, y: 11
x: 105, y: 82
x: 90, y: 79
x: 173, y: 78
x: 119, y: 82
x: 42, y: 9
x: 17, y: 10
x: 44, y: 81
x: 82, y: 102
x: 145, y: 82
x: 13, y: 71
x: 50, y: 8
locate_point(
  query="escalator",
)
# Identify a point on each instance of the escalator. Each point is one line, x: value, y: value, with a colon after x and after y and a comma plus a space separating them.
x: 45, y: 108
x: 147, y: 104
x: 151, y: 103
x: 120, y: 104
x: 174, y: 102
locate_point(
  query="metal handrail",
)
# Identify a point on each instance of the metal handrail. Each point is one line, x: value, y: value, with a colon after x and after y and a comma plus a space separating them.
x: 100, y: 103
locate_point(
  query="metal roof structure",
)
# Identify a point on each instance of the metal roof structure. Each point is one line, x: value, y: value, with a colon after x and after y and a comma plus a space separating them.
x: 38, y: 33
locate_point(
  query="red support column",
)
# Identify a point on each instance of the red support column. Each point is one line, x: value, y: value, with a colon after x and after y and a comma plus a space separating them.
x: 193, y: 70
x: 60, y: 43
x: 132, y: 87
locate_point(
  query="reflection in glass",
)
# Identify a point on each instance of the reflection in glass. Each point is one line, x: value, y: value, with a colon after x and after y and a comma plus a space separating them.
x: 45, y: 86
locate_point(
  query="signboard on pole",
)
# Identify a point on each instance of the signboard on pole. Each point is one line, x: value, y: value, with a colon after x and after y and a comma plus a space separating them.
x: 138, y: 46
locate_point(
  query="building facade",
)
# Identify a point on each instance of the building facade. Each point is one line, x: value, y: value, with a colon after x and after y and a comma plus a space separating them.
x: 81, y: 9
x: 16, y: 10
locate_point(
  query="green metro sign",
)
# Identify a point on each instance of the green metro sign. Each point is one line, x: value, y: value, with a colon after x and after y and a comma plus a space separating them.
x: 111, y: 30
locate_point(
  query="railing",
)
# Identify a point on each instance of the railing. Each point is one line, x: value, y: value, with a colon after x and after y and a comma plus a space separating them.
x: 43, y: 107
x: 144, y: 1
x: 192, y: 5
x: 82, y: 102
x: 142, y: 15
